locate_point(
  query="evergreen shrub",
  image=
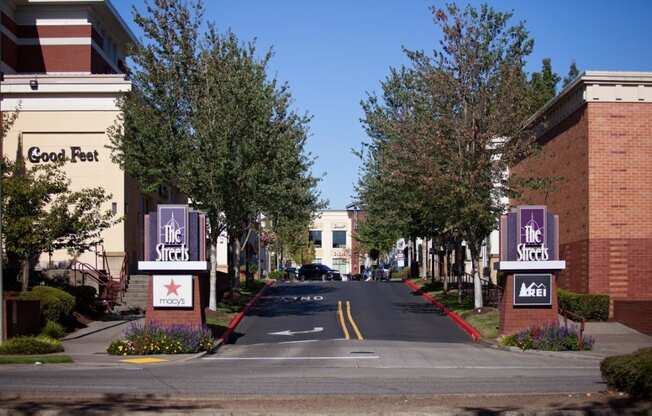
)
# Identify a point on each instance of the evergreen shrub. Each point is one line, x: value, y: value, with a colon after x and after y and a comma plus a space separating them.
x: 631, y: 373
x: 56, y: 304
x: 31, y: 345
x: 589, y: 306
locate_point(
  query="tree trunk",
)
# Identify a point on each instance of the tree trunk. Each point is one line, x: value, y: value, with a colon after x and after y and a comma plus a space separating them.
x: 24, y: 274
x: 235, y: 283
x: 212, y: 303
x: 459, y: 269
x: 477, y: 284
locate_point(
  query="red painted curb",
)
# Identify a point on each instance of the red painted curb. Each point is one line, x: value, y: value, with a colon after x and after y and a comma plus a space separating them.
x: 473, y: 333
x: 238, y: 317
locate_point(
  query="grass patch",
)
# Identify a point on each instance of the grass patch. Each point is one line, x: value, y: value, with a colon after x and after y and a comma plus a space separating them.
x: 486, y: 322
x: 31, y: 359
x: 219, y: 320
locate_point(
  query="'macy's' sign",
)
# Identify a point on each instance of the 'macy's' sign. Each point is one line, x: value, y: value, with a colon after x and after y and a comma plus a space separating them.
x: 172, y: 291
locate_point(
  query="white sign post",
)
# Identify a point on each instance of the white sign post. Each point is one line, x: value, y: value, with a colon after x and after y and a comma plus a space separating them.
x: 172, y: 291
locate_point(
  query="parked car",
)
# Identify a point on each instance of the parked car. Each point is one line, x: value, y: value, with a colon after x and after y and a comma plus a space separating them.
x: 381, y: 273
x: 318, y: 272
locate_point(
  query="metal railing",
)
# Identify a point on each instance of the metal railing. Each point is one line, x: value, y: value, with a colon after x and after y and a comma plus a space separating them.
x: 491, y: 292
x: 111, y: 288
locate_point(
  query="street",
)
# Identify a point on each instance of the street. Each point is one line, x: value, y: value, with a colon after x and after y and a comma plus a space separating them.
x: 293, y: 343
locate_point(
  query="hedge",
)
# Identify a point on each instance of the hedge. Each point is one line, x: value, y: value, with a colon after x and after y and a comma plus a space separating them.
x: 31, y: 345
x: 276, y: 275
x: 85, y: 299
x: 53, y: 330
x: 630, y: 373
x: 588, y: 306
x: 56, y: 304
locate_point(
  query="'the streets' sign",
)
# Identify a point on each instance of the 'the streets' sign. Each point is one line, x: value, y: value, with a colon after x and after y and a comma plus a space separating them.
x: 532, y: 234
x: 175, y: 239
x: 532, y: 289
x: 172, y: 291
x: 172, y: 244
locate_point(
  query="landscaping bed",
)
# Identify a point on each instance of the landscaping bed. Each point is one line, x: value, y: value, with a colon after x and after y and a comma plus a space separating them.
x: 485, y: 322
x: 218, y: 321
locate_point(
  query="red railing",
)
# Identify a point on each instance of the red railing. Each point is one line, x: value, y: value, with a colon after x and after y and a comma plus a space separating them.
x: 111, y: 289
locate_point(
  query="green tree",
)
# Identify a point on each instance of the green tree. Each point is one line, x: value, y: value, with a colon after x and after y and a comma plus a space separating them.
x: 204, y: 117
x: 41, y: 214
x: 573, y: 72
x: 544, y: 84
x: 449, y: 126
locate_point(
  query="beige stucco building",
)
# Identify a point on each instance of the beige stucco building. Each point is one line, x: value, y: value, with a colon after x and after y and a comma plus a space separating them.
x: 331, y: 235
x: 62, y: 66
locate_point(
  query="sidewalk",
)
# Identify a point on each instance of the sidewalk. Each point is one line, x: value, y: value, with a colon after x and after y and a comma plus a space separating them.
x: 87, y: 347
x: 614, y: 338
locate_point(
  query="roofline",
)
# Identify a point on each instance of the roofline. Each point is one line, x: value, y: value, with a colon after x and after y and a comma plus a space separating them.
x: 107, y: 3
x: 586, y: 77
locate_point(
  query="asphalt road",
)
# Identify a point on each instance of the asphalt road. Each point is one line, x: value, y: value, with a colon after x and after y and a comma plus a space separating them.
x: 322, y: 310
x: 406, y: 348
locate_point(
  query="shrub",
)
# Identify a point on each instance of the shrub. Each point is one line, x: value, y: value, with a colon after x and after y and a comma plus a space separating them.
x: 588, y: 306
x: 549, y: 337
x: 53, y: 330
x: 276, y: 275
x: 85, y: 299
x: 156, y: 339
x: 31, y: 345
x: 56, y: 304
x: 630, y: 373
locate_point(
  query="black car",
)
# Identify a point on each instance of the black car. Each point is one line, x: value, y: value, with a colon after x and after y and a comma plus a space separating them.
x: 318, y: 272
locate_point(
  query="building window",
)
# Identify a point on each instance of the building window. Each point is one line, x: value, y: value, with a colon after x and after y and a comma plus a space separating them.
x: 315, y: 238
x: 316, y: 261
x: 339, y: 239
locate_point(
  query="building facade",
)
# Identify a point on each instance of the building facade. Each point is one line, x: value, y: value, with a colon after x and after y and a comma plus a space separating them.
x: 331, y: 235
x: 63, y: 68
x: 596, y: 137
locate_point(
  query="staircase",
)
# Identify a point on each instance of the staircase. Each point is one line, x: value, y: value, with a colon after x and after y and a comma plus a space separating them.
x: 134, y: 300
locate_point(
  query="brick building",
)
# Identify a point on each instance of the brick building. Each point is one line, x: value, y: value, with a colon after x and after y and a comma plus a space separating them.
x: 597, y: 136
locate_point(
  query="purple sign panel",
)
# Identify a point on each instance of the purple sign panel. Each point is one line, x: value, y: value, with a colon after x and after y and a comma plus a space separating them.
x: 172, y: 233
x: 532, y: 225
x: 529, y: 233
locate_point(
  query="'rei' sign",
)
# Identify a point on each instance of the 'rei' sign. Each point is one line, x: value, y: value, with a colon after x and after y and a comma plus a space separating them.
x: 532, y: 289
x: 175, y: 239
x: 172, y: 291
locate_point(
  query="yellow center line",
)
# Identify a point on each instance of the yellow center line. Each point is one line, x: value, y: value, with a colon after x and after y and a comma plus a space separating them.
x: 340, y: 315
x: 353, y: 325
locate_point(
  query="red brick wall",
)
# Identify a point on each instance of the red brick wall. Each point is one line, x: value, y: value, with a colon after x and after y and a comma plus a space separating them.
x: 54, y: 58
x: 620, y: 199
x: 514, y: 319
x: 565, y: 154
x: 356, y: 255
x: 637, y: 314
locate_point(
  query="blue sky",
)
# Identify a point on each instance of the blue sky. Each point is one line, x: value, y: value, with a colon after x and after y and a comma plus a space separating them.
x: 332, y: 52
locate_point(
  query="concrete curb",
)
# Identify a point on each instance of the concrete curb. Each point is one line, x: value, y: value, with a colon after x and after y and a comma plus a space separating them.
x: 473, y: 333
x: 236, y: 319
x: 556, y: 354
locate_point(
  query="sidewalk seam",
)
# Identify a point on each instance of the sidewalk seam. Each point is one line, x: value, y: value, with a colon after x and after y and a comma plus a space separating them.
x: 473, y: 333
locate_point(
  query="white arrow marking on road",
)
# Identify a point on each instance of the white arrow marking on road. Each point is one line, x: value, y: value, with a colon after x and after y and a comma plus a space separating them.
x: 288, y: 332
